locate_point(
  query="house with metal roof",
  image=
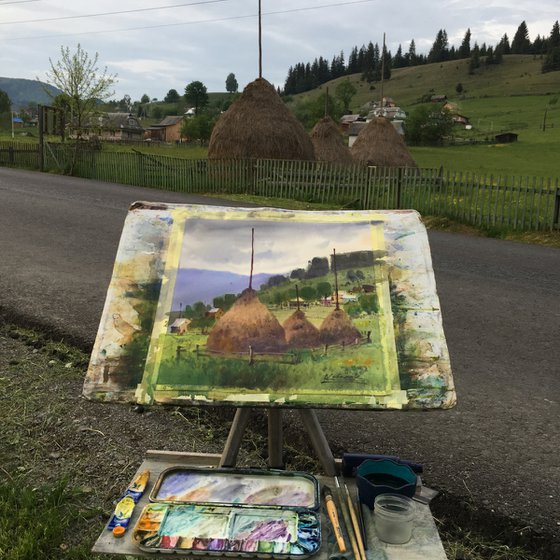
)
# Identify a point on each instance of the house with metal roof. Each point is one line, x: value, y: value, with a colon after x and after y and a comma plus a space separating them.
x: 168, y: 130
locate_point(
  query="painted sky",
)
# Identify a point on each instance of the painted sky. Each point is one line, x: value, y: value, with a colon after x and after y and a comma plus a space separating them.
x: 280, y: 247
x: 158, y: 46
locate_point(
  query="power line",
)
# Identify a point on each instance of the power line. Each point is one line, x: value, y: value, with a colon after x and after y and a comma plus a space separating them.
x: 177, y: 24
x: 110, y: 13
x: 17, y: 2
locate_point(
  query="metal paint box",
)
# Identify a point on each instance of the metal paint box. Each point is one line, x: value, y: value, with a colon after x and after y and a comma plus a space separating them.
x: 237, y: 512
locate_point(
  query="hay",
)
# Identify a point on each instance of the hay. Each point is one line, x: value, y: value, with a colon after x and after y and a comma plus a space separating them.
x: 328, y: 142
x: 300, y: 332
x: 380, y: 144
x: 247, y: 323
x: 337, y: 328
x: 259, y: 125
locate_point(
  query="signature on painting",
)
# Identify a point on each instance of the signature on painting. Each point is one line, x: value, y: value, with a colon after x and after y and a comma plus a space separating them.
x: 353, y: 374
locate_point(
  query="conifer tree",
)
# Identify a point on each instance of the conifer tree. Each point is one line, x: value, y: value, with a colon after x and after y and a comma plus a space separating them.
x: 465, y: 48
x: 521, y: 43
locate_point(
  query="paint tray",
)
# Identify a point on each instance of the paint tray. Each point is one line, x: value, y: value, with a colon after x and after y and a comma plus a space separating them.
x: 250, y: 513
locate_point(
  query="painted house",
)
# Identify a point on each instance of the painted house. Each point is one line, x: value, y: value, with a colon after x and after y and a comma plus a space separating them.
x: 215, y: 313
x: 168, y: 130
x: 179, y: 326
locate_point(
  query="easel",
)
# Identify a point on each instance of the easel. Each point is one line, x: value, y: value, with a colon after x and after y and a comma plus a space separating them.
x: 275, y: 439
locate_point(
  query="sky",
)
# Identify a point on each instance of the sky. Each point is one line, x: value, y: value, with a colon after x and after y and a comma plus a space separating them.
x: 153, y: 46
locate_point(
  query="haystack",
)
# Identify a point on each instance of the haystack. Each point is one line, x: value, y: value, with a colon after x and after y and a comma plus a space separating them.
x: 328, y: 142
x: 259, y: 125
x: 337, y: 328
x: 380, y: 144
x: 247, y: 323
x: 300, y: 332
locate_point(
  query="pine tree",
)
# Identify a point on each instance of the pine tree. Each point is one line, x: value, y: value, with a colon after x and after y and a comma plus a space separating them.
x: 465, y: 48
x: 398, y: 60
x: 504, y: 44
x: 439, y: 51
x: 411, y: 54
x: 551, y: 62
x: 521, y: 43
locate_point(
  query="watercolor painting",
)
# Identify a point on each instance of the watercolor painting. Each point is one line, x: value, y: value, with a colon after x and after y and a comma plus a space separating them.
x: 270, y: 311
x: 267, y: 307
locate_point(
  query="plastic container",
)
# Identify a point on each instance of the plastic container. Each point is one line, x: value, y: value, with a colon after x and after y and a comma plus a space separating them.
x: 394, y: 518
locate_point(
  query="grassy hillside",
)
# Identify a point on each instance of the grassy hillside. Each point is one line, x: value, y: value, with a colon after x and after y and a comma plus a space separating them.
x: 512, y: 96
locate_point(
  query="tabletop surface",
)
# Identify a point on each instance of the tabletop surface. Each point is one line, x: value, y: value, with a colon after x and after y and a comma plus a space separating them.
x: 425, y: 543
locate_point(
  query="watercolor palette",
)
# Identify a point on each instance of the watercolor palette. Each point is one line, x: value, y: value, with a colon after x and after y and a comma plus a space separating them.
x: 230, y: 511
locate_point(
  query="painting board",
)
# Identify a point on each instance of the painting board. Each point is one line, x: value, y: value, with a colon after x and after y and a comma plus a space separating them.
x: 183, y: 270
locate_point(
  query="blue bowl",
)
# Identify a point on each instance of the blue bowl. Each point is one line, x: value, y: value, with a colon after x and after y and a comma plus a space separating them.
x: 384, y: 476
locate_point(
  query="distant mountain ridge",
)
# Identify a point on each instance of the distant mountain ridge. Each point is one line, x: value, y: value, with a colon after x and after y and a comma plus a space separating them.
x: 23, y: 92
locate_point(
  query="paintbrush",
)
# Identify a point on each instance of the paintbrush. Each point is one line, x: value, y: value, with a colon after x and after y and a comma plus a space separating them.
x: 333, y: 516
x: 355, y: 522
x: 348, y: 523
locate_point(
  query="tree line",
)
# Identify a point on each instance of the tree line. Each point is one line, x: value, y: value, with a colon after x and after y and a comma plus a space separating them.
x: 371, y: 61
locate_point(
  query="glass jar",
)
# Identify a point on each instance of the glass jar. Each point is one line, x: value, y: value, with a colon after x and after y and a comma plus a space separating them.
x: 394, y: 518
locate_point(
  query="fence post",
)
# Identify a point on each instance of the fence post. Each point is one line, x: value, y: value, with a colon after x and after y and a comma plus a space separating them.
x: 556, y: 213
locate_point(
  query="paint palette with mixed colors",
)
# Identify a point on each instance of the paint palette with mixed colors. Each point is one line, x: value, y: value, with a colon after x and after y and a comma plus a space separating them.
x: 233, y: 512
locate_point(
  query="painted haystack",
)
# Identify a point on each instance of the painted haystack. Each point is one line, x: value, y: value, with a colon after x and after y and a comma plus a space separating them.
x: 259, y: 125
x: 328, y: 142
x: 300, y: 332
x: 380, y: 144
x: 337, y: 328
x: 248, y: 323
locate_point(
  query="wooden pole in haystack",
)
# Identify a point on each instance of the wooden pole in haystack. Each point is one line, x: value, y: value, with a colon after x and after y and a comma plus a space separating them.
x: 252, y: 257
x: 260, y: 41
x: 382, y: 70
x: 326, y: 101
x: 335, y: 278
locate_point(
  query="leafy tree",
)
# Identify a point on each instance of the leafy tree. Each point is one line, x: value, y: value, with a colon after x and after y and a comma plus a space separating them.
x: 521, y: 43
x: 318, y: 266
x: 308, y: 293
x: 202, y: 323
x: 459, y: 88
x: 145, y: 98
x: 324, y: 289
x: 309, y: 111
x: 198, y: 128
x: 125, y: 104
x: 427, y: 125
x: 80, y: 79
x: 5, y: 103
x: 298, y: 274
x: 196, y: 94
x: 231, y: 83
x: 344, y: 91
x: 368, y: 303
x: 157, y: 112
x: 172, y: 96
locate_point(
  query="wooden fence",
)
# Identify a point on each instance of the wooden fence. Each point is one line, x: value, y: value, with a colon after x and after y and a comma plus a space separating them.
x: 518, y: 203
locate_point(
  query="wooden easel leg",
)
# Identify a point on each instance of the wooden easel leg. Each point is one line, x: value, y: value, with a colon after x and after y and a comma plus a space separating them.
x: 233, y: 442
x: 319, y: 441
x: 275, y: 439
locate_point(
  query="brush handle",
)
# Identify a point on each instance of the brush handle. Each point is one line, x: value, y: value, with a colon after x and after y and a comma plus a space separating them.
x: 333, y: 516
x: 355, y: 524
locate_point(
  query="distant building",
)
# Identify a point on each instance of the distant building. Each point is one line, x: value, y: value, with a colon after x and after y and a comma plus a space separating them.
x: 168, y: 130
x: 506, y: 137
x: 121, y: 127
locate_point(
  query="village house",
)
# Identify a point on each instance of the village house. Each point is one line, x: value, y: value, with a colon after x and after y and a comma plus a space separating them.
x: 168, y: 130
x: 116, y: 127
x: 215, y: 313
x: 179, y: 326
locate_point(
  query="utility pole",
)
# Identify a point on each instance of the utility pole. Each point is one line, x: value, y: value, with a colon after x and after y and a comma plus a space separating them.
x: 382, y: 70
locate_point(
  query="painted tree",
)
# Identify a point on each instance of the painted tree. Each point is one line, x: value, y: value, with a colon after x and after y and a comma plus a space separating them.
x: 196, y: 94
x: 78, y: 76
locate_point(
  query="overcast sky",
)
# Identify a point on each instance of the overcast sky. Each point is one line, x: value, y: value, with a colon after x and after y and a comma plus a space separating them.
x: 155, y: 46
x: 280, y: 247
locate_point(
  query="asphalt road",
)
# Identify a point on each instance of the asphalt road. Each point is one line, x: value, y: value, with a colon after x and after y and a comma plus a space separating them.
x: 501, y: 309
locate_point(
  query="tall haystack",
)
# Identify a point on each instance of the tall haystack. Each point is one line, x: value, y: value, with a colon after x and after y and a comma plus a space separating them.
x: 248, y: 323
x: 300, y: 332
x: 328, y: 142
x: 337, y: 328
x: 259, y: 125
x: 380, y: 144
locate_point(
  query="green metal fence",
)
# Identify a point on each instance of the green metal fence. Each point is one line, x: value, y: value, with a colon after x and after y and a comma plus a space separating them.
x: 518, y: 203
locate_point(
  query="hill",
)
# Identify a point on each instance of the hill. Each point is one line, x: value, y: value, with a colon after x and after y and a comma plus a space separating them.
x: 517, y: 75
x: 23, y: 92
